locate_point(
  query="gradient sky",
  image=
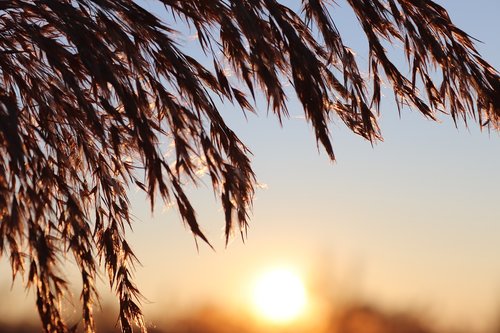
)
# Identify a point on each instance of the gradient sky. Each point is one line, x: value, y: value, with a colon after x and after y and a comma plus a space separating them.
x: 410, y: 223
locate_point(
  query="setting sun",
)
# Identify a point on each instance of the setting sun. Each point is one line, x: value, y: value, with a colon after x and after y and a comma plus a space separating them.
x: 279, y: 295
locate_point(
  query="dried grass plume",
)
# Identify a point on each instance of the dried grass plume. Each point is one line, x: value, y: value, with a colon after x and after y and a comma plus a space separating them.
x: 90, y: 91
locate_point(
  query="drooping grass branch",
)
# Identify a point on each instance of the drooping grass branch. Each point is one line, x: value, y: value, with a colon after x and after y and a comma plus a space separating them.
x: 90, y: 91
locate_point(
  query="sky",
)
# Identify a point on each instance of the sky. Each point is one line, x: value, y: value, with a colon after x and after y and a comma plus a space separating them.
x: 408, y: 223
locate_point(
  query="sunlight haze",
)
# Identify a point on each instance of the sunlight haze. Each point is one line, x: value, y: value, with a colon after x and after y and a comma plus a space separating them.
x: 279, y: 295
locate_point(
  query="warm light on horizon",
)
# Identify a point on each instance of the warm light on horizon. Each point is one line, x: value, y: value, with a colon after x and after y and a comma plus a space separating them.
x: 279, y: 295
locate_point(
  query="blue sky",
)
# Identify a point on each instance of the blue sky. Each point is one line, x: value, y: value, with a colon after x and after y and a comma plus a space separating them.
x: 410, y: 222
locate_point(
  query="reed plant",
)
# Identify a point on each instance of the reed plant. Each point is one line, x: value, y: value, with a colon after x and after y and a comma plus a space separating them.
x: 93, y: 92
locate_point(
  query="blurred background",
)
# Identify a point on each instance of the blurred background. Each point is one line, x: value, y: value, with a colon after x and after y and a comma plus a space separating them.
x: 402, y: 236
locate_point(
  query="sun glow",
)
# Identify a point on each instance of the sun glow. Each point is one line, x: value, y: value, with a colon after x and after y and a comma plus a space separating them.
x: 279, y: 295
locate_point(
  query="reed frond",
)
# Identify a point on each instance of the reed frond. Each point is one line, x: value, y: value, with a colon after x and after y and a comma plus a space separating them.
x: 90, y: 88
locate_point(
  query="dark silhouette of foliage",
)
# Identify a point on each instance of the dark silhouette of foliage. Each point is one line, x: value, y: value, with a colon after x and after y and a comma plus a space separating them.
x: 93, y: 91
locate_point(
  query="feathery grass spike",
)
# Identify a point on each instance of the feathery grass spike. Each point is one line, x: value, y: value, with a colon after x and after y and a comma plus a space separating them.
x: 89, y: 89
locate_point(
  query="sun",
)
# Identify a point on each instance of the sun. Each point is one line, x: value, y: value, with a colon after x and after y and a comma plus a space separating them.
x: 279, y: 295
